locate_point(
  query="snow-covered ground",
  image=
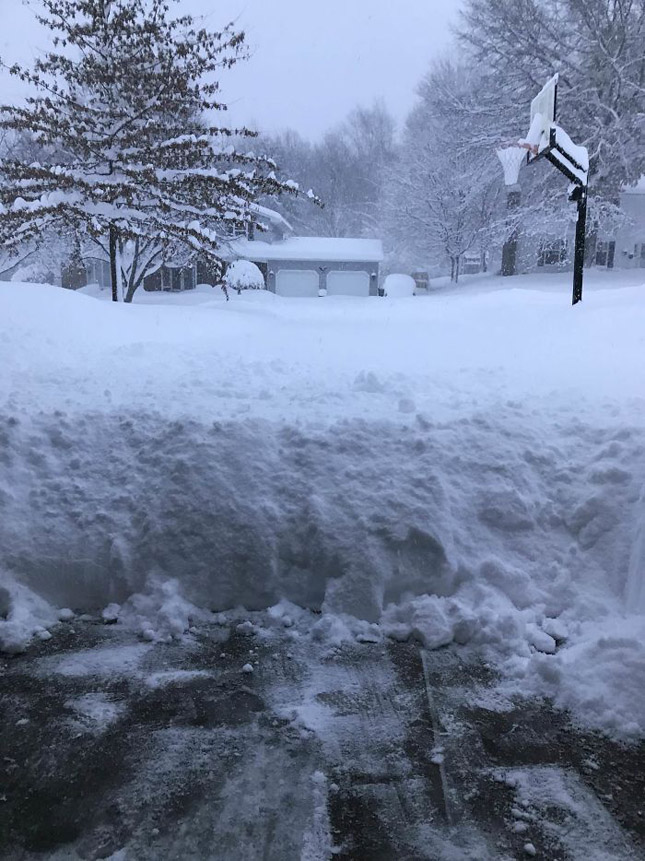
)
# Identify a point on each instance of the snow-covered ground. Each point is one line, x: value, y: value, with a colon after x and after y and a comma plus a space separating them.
x: 466, y: 466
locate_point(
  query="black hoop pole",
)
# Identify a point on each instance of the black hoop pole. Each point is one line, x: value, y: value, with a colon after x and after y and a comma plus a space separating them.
x: 579, y: 254
x: 552, y: 154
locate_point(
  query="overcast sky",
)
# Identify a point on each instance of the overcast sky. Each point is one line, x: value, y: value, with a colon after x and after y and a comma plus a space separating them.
x: 312, y: 60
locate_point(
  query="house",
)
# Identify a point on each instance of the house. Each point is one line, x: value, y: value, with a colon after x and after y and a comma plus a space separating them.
x: 622, y: 249
x: 291, y: 265
x: 313, y: 265
x: 626, y: 249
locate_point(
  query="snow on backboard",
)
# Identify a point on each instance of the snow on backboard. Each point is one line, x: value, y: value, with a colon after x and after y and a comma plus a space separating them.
x: 543, y: 110
x: 545, y: 103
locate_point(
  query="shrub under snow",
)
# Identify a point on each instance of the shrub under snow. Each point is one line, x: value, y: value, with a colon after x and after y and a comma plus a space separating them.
x: 244, y: 275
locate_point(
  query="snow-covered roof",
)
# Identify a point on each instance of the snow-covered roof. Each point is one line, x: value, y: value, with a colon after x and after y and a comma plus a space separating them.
x: 311, y: 248
x: 637, y: 188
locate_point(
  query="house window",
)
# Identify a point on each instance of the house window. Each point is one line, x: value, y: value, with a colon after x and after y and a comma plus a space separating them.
x: 166, y: 278
x: 642, y: 257
x: 605, y: 253
x: 553, y: 252
x: 472, y: 264
x: 98, y: 272
x: 188, y: 278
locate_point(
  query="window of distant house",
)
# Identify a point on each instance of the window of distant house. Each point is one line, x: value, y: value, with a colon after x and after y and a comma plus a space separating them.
x: 605, y: 251
x: 98, y: 272
x: 602, y: 250
x: 552, y: 253
x: 93, y: 273
x: 166, y: 278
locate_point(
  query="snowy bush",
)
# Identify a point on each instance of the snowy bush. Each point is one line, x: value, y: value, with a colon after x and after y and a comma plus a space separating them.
x: 244, y: 275
x: 36, y: 271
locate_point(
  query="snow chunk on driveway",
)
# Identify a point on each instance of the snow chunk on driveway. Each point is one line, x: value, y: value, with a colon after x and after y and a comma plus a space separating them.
x: 434, y: 621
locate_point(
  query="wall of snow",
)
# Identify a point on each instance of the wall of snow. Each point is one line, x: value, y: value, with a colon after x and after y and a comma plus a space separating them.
x: 635, y: 590
x: 464, y: 469
x: 353, y: 516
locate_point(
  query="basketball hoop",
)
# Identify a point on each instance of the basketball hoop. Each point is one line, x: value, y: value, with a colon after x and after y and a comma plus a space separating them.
x: 511, y: 157
x: 546, y: 139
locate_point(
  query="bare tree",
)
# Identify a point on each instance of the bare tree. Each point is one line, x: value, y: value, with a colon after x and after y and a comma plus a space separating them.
x: 346, y: 169
x: 597, y: 46
x: 444, y: 190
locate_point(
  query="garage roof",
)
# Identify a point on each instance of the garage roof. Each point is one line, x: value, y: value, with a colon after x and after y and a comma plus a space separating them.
x: 314, y: 248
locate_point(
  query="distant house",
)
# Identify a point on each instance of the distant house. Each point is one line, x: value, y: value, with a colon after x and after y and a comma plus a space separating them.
x: 291, y: 265
x: 627, y: 248
x: 623, y: 249
x: 312, y: 265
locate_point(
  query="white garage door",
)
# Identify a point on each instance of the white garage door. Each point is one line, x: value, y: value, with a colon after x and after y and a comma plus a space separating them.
x: 347, y: 283
x: 296, y: 282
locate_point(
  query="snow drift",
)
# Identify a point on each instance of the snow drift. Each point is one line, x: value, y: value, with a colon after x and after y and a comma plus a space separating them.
x: 438, y: 466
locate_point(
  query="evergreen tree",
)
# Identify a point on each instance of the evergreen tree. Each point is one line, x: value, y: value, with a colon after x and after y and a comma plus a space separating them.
x: 132, y: 159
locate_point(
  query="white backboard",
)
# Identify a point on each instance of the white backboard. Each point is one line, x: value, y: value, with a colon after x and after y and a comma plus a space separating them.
x: 545, y: 104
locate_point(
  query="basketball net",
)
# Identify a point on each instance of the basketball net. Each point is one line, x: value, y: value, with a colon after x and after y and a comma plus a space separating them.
x: 512, y: 158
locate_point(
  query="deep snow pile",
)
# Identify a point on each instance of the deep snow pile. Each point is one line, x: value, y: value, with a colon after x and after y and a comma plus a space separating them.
x: 398, y: 286
x: 462, y: 467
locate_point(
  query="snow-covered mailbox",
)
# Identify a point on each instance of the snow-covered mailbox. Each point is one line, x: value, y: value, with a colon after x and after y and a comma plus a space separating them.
x: 314, y: 266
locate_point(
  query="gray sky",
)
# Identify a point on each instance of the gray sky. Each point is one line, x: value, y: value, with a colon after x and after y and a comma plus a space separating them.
x: 312, y: 60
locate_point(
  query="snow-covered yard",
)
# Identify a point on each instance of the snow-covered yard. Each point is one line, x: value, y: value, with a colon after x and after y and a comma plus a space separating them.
x: 466, y: 467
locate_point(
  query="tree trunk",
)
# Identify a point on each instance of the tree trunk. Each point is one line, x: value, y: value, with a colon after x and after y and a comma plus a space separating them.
x: 509, y: 251
x: 114, y: 276
x: 132, y: 287
x: 133, y: 282
x: 457, y: 261
x: 452, y: 268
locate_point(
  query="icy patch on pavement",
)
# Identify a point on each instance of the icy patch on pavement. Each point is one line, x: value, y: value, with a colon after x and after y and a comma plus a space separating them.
x: 109, y: 661
x: 563, y: 807
x: 95, y: 711
x: 171, y: 677
x: 317, y: 843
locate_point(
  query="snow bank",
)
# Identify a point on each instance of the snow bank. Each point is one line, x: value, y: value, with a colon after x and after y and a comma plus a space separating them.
x: 399, y: 286
x: 483, y: 489
x: 23, y: 615
x: 606, y: 656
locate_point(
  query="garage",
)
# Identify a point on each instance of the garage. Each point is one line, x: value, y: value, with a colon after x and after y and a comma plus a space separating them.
x: 302, y: 265
x: 346, y: 282
x: 297, y: 282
